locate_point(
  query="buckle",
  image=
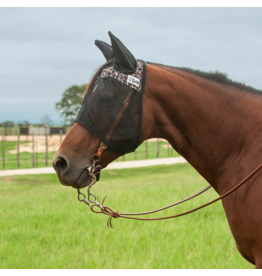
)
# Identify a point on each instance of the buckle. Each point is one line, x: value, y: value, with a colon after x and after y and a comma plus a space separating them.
x: 128, y: 102
x: 103, y: 147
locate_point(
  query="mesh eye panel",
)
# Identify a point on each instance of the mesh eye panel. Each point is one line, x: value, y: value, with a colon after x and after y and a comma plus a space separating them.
x: 113, y: 108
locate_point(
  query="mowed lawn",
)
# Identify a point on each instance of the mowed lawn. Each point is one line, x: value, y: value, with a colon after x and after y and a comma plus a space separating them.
x: 43, y: 225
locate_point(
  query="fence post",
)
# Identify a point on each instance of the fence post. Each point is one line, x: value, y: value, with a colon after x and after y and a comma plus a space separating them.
x: 33, y: 149
x: 123, y: 158
x: 46, y: 148
x: 168, y: 149
x: 36, y: 151
x: 27, y: 132
x: 3, y: 150
x: 135, y: 154
x: 146, y: 149
x: 61, y: 137
x: 18, y: 150
x: 157, y: 148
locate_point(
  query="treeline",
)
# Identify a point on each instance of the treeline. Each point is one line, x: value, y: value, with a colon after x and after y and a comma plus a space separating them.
x: 12, y: 124
x: 21, y: 124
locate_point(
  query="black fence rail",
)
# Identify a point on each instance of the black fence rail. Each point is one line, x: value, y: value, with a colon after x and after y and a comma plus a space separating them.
x: 57, y: 130
x: 10, y: 131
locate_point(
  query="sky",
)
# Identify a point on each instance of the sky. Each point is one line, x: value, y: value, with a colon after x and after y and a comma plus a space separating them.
x: 43, y: 51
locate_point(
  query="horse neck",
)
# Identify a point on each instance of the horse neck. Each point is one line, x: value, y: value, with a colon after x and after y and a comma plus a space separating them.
x: 202, y: 119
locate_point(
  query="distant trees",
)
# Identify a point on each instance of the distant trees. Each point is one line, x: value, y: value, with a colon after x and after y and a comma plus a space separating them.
x: 7, y: 124
x: 46, y: 121
x: 71, y: 102
x: 23, y: 124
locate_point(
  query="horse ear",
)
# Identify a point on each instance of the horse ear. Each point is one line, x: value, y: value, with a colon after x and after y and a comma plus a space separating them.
x: 106, y: 49
x: 125, y: 61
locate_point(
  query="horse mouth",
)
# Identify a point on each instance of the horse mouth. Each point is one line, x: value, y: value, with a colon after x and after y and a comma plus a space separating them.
x: 83, y: 180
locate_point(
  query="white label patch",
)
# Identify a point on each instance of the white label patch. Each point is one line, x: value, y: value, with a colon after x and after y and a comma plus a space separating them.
x: 133, y: 80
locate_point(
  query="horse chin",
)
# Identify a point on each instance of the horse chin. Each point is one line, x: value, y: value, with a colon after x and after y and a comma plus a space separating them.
x: 83, y: 181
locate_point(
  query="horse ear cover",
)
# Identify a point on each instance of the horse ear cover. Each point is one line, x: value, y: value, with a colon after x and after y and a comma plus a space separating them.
x: 106, y: 49
x: 124, y: 60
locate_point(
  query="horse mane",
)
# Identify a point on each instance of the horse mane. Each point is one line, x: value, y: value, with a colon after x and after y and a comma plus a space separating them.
x: 216, y: 76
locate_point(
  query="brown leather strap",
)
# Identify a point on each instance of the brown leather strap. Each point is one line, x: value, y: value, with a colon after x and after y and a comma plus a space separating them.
x: 108, y: 211
x: 103, y: 146
x: 100, y: 150
x: 96, y: 159
x: 171, y: 205
x: 119, y: 116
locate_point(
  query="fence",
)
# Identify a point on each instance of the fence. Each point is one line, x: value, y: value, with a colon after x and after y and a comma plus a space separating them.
x: 10, y: 131
x: 27, y: 151
x: 153, y: 148
x: 39, y: 151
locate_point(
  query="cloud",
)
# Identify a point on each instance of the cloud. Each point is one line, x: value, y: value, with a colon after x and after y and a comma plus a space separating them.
x: 43, y: 51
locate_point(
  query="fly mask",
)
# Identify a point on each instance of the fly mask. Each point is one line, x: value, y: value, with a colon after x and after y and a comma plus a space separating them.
x: 112, y: 109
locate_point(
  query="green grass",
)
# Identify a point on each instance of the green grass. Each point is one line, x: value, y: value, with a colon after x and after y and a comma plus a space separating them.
x: 43, y: 225
x: 26, y: 157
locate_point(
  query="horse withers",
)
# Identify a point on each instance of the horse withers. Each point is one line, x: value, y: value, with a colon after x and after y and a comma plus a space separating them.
x: 213, y: 122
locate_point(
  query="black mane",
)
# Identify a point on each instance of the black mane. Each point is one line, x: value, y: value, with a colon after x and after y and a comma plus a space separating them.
x: 215, y: 76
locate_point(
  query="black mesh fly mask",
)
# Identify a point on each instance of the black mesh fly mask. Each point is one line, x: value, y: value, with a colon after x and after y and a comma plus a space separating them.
x: 112, y: 109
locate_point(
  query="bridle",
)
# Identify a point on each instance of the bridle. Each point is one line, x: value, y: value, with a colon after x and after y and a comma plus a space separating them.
x: 94, y: 172
x: 95, y: 169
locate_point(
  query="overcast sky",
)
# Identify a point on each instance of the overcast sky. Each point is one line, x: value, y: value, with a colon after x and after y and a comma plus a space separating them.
x: 43, y: 51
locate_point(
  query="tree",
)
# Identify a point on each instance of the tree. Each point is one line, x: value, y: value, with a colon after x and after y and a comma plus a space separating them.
x: 7, y: 124
x: 46, y: 121
x: 71, y: 102
x: 23, y: 124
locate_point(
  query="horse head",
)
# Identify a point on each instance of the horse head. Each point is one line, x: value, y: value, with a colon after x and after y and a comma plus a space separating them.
x: 111, y: 113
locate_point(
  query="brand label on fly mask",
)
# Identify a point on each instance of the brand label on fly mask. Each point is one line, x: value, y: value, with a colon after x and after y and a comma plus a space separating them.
x: 133, y: 80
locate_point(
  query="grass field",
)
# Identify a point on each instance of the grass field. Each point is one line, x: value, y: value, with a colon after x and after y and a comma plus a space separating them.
x: 26, y: 157
x: 43, y: 225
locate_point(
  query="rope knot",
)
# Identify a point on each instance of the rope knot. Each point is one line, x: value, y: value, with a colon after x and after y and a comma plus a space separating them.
x: 108, y: 211
x: 116, y: 215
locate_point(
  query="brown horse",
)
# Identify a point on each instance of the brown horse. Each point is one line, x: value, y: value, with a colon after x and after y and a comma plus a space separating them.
x: 213, y: 122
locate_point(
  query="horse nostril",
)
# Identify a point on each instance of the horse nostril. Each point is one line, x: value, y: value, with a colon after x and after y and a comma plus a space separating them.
x: 61, y: 164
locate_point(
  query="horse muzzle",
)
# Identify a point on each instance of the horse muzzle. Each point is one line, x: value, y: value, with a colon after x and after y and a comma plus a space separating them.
x: 69, y: 175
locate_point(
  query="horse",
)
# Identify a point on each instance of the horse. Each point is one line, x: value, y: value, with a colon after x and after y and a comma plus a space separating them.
x: 210, y: 120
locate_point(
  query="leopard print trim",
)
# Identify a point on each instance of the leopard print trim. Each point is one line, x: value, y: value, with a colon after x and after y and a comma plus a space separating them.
x: 109, y: 71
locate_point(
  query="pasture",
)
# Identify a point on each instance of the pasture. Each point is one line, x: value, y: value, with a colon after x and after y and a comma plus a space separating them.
x: 43, y: 225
